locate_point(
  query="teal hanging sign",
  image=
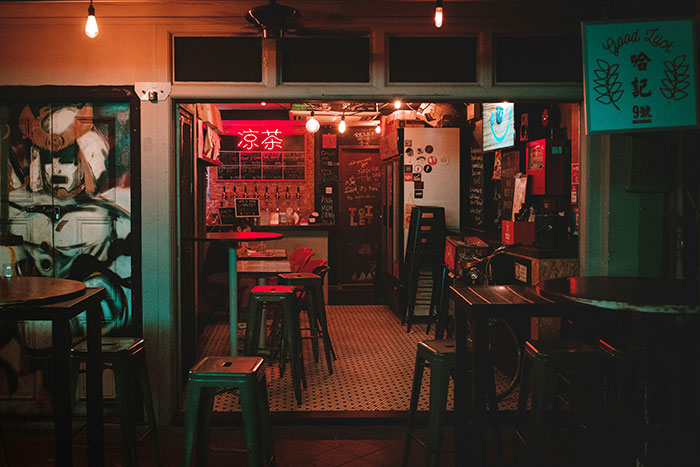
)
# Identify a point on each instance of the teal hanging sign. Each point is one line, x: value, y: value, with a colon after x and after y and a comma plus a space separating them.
x: 639, y: 75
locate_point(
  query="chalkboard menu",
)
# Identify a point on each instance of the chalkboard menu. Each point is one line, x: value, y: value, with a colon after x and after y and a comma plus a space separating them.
x: 476, y: 190
x: 359, y: 215
x: 253, y: 155
x: 482, y: 212
x: 247, y: 207
x: 327, y: 185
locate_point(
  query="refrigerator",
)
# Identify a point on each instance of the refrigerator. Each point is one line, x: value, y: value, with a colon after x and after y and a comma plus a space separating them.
x: 420, y: 166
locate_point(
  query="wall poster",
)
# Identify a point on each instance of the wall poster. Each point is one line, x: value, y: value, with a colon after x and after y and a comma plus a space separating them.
x: 639, y: 75
x: 67, y: 203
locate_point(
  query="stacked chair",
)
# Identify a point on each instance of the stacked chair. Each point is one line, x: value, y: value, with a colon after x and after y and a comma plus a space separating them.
x: 425, y: 246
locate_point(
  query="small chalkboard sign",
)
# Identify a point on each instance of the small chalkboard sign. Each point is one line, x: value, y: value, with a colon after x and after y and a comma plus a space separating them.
x: 247, y: 207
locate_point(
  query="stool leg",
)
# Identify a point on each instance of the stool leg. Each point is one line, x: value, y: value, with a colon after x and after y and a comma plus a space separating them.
x: 251, y: 423
x: 148, y: 403
x: 266, y: 423
x: 439, y: 383
x: 541, y: 395
x: 191, y: 411
x: 413, y: 406
x: 206, y: 407
x: 309, y: 304
x: 292, y: 332
x: 525, y: 375
x: 253, y: 322
x: 323, y: 325
x: 124, y: 382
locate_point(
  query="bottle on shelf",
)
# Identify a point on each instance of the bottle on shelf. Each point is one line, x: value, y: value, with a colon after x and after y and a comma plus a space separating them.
x: 296, y: 215
x: 264, y: 210
x: 275, y: 216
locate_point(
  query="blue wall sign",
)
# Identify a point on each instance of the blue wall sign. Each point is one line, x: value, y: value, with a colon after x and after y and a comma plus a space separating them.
x: 639, y: 75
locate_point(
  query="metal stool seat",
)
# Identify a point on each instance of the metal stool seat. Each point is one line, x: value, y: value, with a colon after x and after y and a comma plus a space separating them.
x: 247, y: 375
x: 313, y: 303
x: 126, y: 357
x: 543, y: 361
x: 441, y: 356
x: 285, y: 295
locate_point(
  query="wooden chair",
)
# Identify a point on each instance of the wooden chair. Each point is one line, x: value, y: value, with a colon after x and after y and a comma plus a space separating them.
x: 299, y: 258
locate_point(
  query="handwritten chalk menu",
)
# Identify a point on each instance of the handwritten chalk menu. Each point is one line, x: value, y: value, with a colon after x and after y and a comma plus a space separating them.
x: 247, y: 207
x: 262, y: 155
x: 359, y: 211
x: 476, y: 190
x: 639, y: 75
x: 327, y: 185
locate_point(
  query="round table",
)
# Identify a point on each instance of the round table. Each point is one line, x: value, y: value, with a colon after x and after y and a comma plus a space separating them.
x: 30, y: 290
x: 642, y: 294
x: 59, y: 301
x: 655, y: 303
x: 232, y: 240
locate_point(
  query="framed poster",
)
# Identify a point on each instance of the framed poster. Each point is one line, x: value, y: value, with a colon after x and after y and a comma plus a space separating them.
x: 639, y: 75
x: 498, y: 126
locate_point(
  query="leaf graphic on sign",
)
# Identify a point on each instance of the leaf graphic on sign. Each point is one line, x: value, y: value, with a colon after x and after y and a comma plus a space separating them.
x: 677, y: 79
x: 607, y: 84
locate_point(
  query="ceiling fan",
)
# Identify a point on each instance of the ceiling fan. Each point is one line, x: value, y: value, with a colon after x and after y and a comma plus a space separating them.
x: 273, y: 19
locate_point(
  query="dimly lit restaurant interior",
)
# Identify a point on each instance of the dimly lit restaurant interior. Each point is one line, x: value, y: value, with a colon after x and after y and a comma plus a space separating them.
x: 349, y: 233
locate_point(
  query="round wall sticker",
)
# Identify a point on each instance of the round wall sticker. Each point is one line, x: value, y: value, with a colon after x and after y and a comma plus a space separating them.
x: 432, y: 160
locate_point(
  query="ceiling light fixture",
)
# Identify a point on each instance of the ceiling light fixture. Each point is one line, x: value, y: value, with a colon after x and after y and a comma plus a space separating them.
x: 397, y: 104
x: 312, y: 124
x: 378, y: 129
x: 91, y: 29
x: 438, y: 13
x: 341, y: 125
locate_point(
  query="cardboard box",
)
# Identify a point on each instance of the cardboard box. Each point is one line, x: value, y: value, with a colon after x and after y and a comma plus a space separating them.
x: 455, y: 253
x: 517, y: 232
x: 458, y: 252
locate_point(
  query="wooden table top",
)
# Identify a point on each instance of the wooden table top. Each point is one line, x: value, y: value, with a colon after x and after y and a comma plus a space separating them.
x: 642, y: 294
x: 474, y: 295
x: 263, y: 267
x: 35, y: 290
x: 267, y: 254
x: 235, y: 237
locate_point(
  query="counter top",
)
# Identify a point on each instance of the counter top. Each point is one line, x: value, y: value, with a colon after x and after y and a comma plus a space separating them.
x: 529, y: 251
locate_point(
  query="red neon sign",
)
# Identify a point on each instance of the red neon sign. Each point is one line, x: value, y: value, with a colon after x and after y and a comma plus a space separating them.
x: 251, y: 139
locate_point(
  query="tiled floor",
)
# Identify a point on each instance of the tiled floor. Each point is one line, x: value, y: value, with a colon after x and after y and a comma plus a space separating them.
x: 373, y: 372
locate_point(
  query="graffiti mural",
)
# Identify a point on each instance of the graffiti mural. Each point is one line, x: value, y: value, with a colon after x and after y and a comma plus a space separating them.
x: 67, y: 206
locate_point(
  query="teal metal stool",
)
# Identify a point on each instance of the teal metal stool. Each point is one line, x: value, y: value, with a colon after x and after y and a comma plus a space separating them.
x: 285, y: 296
x: 216, y: 374
x: 126, y: 357
x: 579, y: 366
x: 312, y: 294
x: 440, y: 355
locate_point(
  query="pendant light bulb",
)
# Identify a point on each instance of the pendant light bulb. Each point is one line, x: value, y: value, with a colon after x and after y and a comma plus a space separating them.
x: 341, y: 125
x: 438, y: 13
x: 312, y: 124
x: 378, y: 129
x: 91, y: 29
x: 397, y: 104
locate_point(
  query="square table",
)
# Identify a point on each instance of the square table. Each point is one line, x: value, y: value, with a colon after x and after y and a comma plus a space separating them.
x: 58, y: 301
x: 478, y: 304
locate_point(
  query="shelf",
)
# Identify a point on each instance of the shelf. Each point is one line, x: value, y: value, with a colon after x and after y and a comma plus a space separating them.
x: 208, y: 161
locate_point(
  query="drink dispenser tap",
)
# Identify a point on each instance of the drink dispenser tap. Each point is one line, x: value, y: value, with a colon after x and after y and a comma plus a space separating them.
x: 267, y: 193
x: 298, y: 193
x: 286, y: 195
x: 256, y: 192
x: 277, y: 192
